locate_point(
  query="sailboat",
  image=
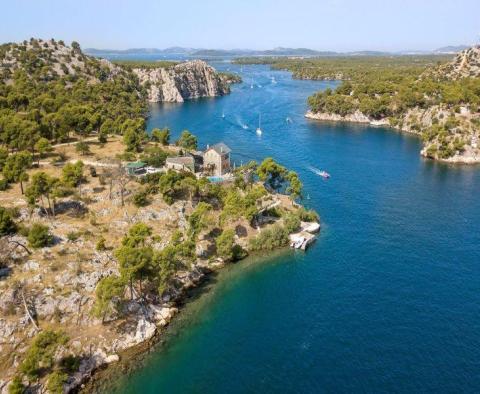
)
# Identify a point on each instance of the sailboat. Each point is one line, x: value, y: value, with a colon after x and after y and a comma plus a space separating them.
x: 251, y: 84
x: 259, y: 128
x: 223, y: 115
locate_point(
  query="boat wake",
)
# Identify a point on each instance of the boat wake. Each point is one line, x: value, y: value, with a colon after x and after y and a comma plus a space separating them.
x: 318, y: 172
x: 241, y: 123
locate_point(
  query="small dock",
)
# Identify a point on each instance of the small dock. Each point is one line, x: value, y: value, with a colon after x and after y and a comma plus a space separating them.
x: 306, y: 236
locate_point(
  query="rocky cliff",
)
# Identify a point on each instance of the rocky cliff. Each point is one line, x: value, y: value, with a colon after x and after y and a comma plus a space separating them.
x: 189, y: 80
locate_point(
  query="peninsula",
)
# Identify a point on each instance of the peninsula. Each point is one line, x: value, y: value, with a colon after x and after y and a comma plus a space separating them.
x: 103, y: 226
x: 434, y: 97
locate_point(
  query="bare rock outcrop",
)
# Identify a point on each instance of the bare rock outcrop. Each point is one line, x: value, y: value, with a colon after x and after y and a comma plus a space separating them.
x: 189, y: 80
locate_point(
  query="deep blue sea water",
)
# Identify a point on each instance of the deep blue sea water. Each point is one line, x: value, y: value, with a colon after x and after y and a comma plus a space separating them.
x: 387, y: 300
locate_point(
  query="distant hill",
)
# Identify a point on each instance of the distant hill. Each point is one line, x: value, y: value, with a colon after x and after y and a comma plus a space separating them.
x: 451, y: 49
x: 279, y: 51
x: 198, y: 52
x: 466, y: 64
x: 140, y: 51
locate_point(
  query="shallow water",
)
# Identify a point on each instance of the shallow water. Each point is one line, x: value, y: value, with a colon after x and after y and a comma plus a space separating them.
x: 387, y: 300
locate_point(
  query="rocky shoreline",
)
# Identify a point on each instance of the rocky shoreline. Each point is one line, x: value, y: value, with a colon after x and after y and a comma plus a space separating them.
x: 471, y: 155
x: 149, y: 331
x: 153, y: 320
x: 57, y: 284
x: 130, y: 358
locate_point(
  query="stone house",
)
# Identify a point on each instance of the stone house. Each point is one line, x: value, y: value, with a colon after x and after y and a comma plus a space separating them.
x: 180, y: 163
x: 216, y: 159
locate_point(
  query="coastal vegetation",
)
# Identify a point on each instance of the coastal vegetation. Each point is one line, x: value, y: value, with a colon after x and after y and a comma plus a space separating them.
x: 94, y: 256
x: 52, y: 92
x: 432, y: 96
x: 152, y: 233
x: 146, y: 64
x: 347, y: 67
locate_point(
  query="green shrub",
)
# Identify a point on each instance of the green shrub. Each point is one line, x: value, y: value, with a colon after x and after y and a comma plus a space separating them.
x: 227, y: 249
x: 108, y: 295
x: 291, y: 222
x: 4, y: 185
x: 72, y: 174
x: 270, y: 238
x: 225, y: 243
x: 154, y: 156
x: 16, y: 386
x: 307, y: 215
x: 140, y: 199
x: 39, y: 236
x: 40, y: 355
x: 83, y: 148
x: 187, y: 140
x: 72, y: 236
x: 70, y: 363
x: 162, y: 136
x: 100, y: 246
x: 7, y: 225
x: 55, y: 383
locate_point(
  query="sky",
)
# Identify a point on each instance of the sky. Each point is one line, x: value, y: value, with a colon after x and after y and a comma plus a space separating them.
x: 339, y: 25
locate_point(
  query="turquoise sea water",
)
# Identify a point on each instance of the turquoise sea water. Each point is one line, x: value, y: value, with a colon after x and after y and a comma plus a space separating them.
x: 387, y: 300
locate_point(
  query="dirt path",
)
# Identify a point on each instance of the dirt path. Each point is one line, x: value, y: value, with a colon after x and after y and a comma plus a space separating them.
x: 86, y: 162
x: 74, y: 142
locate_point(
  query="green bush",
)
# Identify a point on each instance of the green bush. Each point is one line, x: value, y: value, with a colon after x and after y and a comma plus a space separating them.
x: 100, y: 246
x: 126, y: 156
x: 83, y: 148
x: 270, y: 238
x: 307, y: 215
x: 162, y: 136
x: 4, y: 185
x: 291, y: 222
x: 187, y: 140
x: 39, y: 236
x: 16, y: 386
x: 225, y: 243
x: 40, y: 354
x: 154, y: 156
x: 70, y: 363
x: 72, y: 174
x: 7, y: 225
x: 72, y: 236
x: 55, y: 383
x: 140, y: 198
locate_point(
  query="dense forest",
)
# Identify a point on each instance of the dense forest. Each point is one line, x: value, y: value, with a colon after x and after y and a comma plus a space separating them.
x: 49, y: 90
x: 146, y: 64
x: 347, y: 67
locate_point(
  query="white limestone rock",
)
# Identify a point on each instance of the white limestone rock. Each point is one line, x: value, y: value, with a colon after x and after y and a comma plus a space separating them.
x: 189, y: 80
